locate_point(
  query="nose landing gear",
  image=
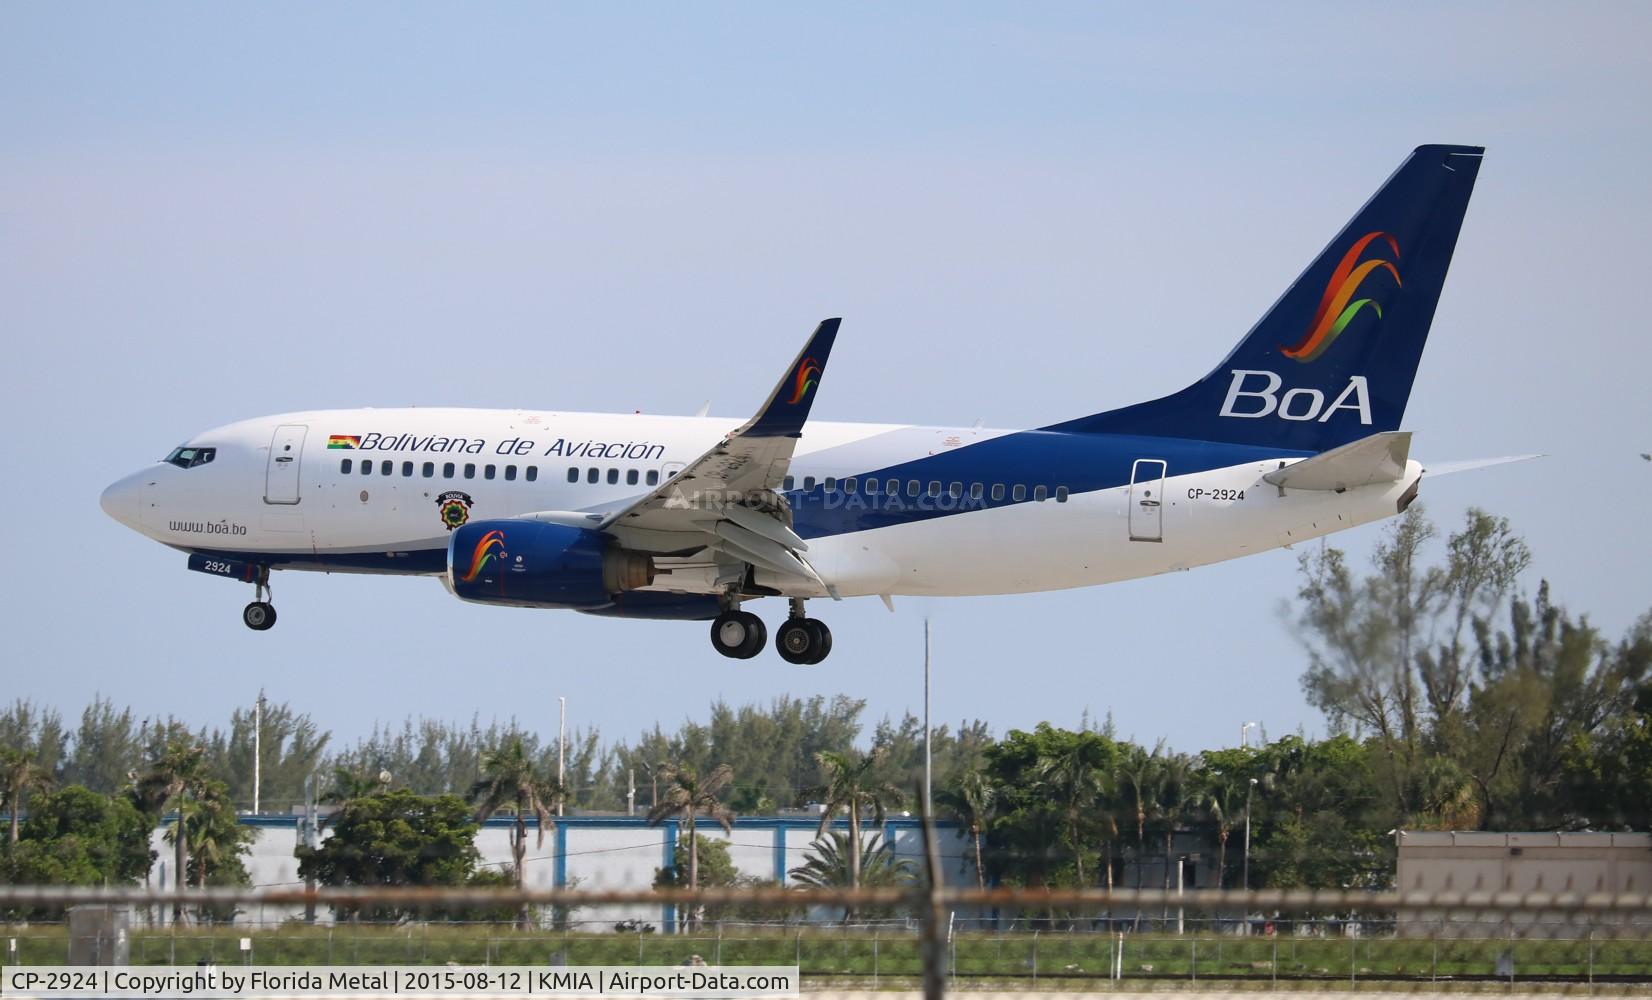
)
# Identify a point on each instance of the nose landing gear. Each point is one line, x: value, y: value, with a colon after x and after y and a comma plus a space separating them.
x: 260, y: 614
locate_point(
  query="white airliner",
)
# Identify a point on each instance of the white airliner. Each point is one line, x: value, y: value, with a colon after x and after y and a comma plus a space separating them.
x: 1295, y: 435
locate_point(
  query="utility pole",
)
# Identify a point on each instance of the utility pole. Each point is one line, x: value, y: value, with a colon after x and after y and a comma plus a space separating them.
x: 1248, y: 789
x: 562, y: 753
x: 1244, y: 733
x: 257, y: 749
x: 631, y: 791
x: 929, y: 804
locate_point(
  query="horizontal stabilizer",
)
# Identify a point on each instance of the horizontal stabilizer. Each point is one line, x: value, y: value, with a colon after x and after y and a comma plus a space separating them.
x: 1469, y: 465
x: 1379, y: 458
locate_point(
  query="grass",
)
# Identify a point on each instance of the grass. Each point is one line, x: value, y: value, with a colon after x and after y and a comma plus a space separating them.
x: 861, y: 955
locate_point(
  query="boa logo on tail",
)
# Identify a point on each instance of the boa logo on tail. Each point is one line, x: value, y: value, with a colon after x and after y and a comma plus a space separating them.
x: 1335, y: 310
x: 808, y: 374
x: 492, y: 544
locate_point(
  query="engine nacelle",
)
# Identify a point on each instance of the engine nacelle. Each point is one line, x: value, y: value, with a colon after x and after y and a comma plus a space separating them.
x: 536, y: 564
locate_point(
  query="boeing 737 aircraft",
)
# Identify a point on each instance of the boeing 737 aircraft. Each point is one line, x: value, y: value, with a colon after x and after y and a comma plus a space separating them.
x: 1293, y: 436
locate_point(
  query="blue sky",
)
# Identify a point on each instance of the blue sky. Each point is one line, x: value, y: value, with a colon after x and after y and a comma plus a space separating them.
x: 1023, y: 214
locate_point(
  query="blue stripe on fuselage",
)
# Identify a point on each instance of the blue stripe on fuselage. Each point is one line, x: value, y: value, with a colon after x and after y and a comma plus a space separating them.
x: 1082, y: 463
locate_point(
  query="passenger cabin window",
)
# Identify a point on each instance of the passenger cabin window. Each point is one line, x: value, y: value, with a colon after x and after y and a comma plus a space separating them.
x: 470, y: 470
x: 367, y: 467
x: 998, y: 491
x: 934, y: 488
x: 829, y: 485
x: 872, y: 487
x: 913, y: 487
x: 1019, y: 493
x: 808, y: 483
x: 510, y: 473
x: 592, y: 474
x: 631, y: 477
x: 613, y: 476
x: 893, y: 487
x: 487, y: 472
x: 956, y: 489
x: 573, y: 475
x: 189, y: 458
x: 532, y: 473
x: 653, y: 477
x: 447, y: 470
x: 429, y: 470
x: 1061, y: 494
x: 344, y: 466
x: 849, y: 485
x: 790, y: 484
x: 975, y: 491
x: 407, y: 469
x: 1041, y: 493
x: 387, y: 467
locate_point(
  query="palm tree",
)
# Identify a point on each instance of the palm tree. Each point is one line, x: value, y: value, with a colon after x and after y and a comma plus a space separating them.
x: 348, y: 784
x: 20, y: 773
x: 1178, y: 795
x: 687, y: 796
x: 1073, y: 779
x: 510, y: 780
x: 1221, y: 800
x: 1139, y: 773
x: 852, y: 784
x: 971, y: 801
x: 829, y: 864
x: 176, y: 774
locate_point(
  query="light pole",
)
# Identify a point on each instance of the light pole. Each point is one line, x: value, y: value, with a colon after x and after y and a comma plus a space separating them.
x: 1248, y: 789
x: 1244, y: 733
x: 257, y: 750
x: 561, y: 755
x: 929, y: 805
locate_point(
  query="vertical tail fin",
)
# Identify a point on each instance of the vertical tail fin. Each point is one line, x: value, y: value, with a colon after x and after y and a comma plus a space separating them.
x: 1334, y: 359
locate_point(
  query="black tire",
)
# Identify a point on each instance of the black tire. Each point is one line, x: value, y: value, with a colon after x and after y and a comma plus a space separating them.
x: 757, y: 636
x: 730, y: 633
x: 258, y: 616
x: 796, y: 642
x: 823, y: 639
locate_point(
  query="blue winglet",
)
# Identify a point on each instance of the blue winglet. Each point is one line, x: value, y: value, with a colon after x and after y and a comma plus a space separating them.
x: 788, y: 405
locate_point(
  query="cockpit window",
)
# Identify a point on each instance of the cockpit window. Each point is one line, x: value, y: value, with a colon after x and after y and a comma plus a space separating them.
x: 189, y: 458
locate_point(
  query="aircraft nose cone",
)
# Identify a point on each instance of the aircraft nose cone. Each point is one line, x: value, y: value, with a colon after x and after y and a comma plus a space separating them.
x: 123, y: 501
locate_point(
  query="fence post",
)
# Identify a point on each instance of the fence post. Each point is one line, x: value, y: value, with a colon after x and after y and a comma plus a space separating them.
x: 1273, y: 966
x: 1591, y: 960
x: 1353, y: 958
x: 1434, y: 963
x: 874, y: 958
x: 1193, y: 960
x: 719, y: 958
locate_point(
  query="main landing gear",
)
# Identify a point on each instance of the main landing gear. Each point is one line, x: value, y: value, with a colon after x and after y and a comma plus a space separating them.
x: 260, y: 614
x: 800, y: 640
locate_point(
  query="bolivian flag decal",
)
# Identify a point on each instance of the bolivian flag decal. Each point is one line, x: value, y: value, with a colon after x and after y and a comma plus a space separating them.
x: 344, y: 441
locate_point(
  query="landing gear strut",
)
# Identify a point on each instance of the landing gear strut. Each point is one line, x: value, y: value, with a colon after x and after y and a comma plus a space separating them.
x: 260, y: 614
x: 803, y: 641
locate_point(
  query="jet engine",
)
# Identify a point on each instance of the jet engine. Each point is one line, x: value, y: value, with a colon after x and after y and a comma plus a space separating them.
x: 538, y: 564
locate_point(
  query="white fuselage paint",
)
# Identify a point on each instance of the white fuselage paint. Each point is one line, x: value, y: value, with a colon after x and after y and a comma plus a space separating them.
x: 225, y: 506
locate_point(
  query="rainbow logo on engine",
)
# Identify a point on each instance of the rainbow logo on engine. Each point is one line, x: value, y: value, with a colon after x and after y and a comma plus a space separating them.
x: 491, y: 544
x: 808, y: 375
x: 1336, y: 310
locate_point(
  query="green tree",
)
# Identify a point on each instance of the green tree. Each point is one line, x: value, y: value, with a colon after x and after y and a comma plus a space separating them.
x: 1075, y: 776
x: 395, y: 838
x: 511, y: 780
x: 75, y: 836
x: 1138, y: 778
x: 175, y: 773
x: 686, y: 797
x: 20, y: 774
x: 833, y: 863
x: 855, y: 785
x: 970, y: 800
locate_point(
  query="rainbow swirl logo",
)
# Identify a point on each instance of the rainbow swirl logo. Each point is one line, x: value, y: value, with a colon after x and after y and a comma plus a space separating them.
x: 1336, y: 310
x: 492, y: 544
x: 808, y: 374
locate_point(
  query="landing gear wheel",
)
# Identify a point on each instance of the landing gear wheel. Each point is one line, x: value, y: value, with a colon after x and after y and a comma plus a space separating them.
x: 259, y: 616
x: 796, y: 642
x: 739, y: 635
x: 823, y: 639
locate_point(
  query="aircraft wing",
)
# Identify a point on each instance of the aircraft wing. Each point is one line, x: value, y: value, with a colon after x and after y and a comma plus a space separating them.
x: 729, y: 498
